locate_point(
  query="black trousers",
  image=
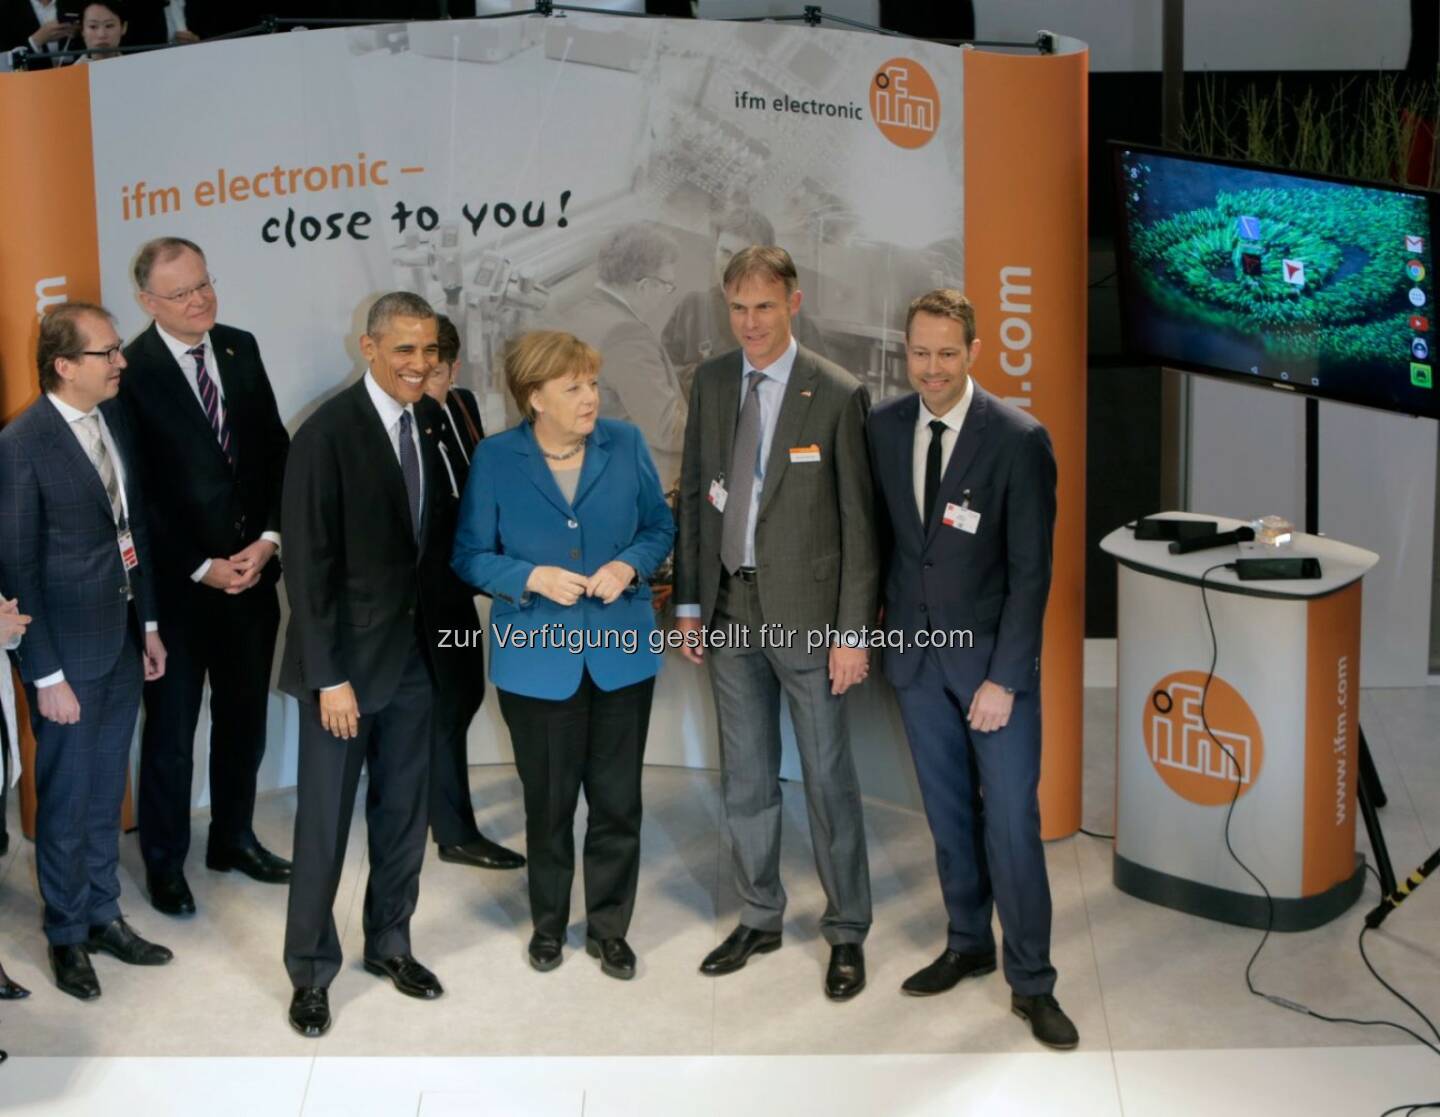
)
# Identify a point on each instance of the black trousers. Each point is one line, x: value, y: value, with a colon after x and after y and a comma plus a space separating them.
x: 394, y: 745
x: 594, y: 739
x: 232, y: 639
x: 452, y: 817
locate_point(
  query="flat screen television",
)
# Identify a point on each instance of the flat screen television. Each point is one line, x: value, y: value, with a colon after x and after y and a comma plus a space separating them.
x: 1299, y: 282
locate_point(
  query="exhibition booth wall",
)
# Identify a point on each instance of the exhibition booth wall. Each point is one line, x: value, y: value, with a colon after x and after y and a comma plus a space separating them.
x: 484, y: 163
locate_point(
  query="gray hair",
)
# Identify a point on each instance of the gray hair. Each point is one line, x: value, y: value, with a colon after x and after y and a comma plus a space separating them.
x: 397, y: 304
x: 632, y: 252
x: 161, y: 250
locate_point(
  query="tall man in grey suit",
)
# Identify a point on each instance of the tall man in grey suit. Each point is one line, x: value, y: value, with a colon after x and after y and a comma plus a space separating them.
x: 776, y: 539
x: 966, y: 485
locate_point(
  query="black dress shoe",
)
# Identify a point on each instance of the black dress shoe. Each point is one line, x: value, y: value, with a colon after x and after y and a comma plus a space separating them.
x: 1048, y: 1022
x: 845, y: 975
x: 482, y: 853
x: 310, y: 1011
x: 255, y: 861
x: 409, y: 976
x: 616, y: 957
x: 73, y: 972
x: 735, y: 951
x: 119, y: 939
x: 544, y: 952
x: 946, y: 972
x: 9, y: 990
x: 169, y: 894
x: 4, y: 842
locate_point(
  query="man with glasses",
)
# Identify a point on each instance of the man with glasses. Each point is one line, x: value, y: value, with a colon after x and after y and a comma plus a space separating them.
x: 75, y: 555
x: 212, y: 454
x: 636, y: 278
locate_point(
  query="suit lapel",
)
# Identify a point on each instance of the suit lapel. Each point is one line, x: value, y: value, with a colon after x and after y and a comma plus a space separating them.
x: 538, y: 472
x: 73, y: 457
x: 967, y: 446
x: 902, y: 466
x: 597, y: 456
x: 378, y: 452
x: 175, y: 388
x: 727, y: 408
x: 794, y: 406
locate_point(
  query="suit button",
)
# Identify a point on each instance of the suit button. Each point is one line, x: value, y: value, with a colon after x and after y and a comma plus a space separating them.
x: 122, y: 591
x: 239, y: 525
x: 409, y: 612
x: 574, y: 552
x: 572, y: 524
x: 928, y: 565
x: 924, y: 609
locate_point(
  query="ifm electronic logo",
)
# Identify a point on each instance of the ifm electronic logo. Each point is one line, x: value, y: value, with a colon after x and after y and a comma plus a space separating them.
x: 1202, y: 765
x: 904, y: 103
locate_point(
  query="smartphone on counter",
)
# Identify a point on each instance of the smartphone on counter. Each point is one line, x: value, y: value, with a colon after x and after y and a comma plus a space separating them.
x: 1276, y: 569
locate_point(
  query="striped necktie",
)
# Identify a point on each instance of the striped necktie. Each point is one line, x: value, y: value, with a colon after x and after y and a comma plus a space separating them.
x: 210, y: 401
x: 94, y: 446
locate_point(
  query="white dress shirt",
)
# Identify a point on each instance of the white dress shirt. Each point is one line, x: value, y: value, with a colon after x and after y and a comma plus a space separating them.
x: 390, y: 410
x: 771, y: 393
x: 181, y: 352
x: 73, y: 415
x: 953, y: 419
x: 175, y: 19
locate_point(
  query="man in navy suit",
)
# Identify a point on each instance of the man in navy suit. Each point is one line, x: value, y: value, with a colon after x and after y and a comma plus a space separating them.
x: 966, y: 485
x: 75, y: 554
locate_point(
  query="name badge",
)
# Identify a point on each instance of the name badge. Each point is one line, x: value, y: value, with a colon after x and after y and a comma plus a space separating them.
x: 718, y: 495
x: 809, y: 453
x: 128, y: 554
x: 965, y: 519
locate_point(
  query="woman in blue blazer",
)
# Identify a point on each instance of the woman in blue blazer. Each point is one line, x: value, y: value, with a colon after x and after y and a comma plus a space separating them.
x: 562, y: 523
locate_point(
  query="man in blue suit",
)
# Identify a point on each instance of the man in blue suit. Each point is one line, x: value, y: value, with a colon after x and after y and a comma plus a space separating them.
x: 75, y: 554
x: 966, y: 485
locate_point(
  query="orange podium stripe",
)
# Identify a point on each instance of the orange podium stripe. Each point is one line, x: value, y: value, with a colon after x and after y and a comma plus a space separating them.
x: 1332, y: 733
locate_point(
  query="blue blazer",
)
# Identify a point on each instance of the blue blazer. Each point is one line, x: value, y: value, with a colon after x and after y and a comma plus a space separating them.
x: 58, y: 553
x: 513, y: 518
x: 995, y: 582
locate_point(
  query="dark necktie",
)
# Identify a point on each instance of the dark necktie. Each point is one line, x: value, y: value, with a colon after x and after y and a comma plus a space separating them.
x: 410, y: 468
x: 210, y: 401
x: 932, y: 470
x: 744, y: 459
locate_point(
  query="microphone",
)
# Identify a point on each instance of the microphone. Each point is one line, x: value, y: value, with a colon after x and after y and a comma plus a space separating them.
x: 1219, y: 539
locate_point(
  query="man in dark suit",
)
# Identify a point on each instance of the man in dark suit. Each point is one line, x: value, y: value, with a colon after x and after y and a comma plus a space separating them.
x: 776, y: 530
x: 368, y: 524
x: 212, y: 455
x: 461, y: 675
x: 75, y: 553
x: 21, y: 28
x: 966, y: 488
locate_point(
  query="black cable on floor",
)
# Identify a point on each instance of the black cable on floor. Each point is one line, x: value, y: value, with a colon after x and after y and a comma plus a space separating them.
x: 1274, y: 998
x: 1093, y: 834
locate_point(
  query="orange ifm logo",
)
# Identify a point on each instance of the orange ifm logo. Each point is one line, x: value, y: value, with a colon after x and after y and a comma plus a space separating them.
x: 905, y: 102
x: 1196, y: 766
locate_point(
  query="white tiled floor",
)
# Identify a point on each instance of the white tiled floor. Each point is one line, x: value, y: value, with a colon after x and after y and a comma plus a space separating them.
x: 1166, y: 1023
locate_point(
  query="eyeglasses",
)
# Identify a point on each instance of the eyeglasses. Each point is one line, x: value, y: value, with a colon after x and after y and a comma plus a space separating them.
x: 111, y: 355
x: 667, y: 284
x: 207, y: 289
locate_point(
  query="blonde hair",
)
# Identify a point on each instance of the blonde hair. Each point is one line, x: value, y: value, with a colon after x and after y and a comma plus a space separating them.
x: 534, y: 358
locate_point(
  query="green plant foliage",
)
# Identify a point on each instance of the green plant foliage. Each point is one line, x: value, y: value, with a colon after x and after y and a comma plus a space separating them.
x: 1352, y: 305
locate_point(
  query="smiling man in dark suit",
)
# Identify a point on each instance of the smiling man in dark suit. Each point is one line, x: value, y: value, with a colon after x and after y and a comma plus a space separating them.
x: 212, y: 453
x: 75, y: 553
x: 966, y: 487
x: 368, y: 521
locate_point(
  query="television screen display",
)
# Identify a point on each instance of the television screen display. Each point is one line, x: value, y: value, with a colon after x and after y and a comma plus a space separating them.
x: 1306, y: 283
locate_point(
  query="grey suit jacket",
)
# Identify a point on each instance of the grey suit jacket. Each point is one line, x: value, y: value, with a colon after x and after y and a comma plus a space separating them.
x: 815, y: 545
